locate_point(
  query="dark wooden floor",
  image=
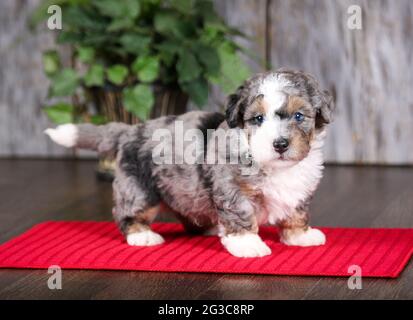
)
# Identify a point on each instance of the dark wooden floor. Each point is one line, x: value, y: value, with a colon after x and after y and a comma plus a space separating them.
x: 37, y: 190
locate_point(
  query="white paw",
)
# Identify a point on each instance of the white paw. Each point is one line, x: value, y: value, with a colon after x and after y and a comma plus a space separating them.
x: 65, y: 135
x: 311, y: 237
x: 144, y: 238
x: 245, y: 245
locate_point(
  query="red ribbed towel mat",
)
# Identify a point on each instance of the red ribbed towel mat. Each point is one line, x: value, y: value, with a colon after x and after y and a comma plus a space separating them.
x: 99, y: 245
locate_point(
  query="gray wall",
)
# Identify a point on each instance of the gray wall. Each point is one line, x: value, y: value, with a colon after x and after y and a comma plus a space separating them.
x: 369, y: 70
x: 23, y: 86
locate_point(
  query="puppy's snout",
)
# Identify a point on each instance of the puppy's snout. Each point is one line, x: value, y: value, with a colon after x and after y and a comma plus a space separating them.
x: 281, y: 145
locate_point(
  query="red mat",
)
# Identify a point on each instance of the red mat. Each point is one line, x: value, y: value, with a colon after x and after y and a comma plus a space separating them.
x: 99, y: 245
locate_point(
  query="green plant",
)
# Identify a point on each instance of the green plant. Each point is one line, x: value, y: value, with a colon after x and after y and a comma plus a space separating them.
x: 136, y: 44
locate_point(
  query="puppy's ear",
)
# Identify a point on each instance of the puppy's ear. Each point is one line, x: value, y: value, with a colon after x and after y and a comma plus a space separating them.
x: 325, y: 111
x: 235, y: 110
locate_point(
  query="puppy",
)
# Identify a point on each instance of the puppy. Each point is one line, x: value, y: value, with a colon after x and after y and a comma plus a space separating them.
x: 279, y: 120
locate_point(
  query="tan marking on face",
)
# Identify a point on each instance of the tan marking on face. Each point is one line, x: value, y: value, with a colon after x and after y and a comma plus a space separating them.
x: 295, y: 103
x: 142, y: 220
x: 300, y: 135
x: 258, y: 107
x: 299, y: 144
x: 262, y: 106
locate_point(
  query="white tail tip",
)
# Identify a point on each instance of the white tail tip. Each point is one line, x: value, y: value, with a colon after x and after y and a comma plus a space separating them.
x: 65, y: 135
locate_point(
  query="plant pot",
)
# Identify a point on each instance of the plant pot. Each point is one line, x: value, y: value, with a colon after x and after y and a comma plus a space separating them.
x: 109, y: 101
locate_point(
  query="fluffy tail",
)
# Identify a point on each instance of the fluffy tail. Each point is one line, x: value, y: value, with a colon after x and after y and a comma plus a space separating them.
x: 104, y: 139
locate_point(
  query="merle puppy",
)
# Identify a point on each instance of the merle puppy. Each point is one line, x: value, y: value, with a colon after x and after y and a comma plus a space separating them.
x: 282, y: 117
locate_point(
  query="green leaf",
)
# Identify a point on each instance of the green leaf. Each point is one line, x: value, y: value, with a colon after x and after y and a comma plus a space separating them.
x: 184, y: 6
x: 135, y: 43
x: 94, y: 76
x: 117, y: 9
x: 78, y: 17
x: 233, y: 70
x: 64, y: 83
x: 166, y: 22
x: 188, y: 67
x: 109, y: 7
x: 51, y: 62
x: 209, y: 58
x: 168, y: 50
x: 170, y: 46
x: 210, y: 35
x: 171, y: 23
x: 146, y: 68
x: 139, y: 100
x: 69, y: 37
x: 132, y: 7
x: 207, y: 11
x: 96, y: 39
x: 86, y: 54
x: 197, y: 91
x: 60, y: 113
x: 121, y: 24
x: 117, y: 74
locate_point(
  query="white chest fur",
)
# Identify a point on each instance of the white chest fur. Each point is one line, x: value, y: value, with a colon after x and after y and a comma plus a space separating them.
x: 284, y: 188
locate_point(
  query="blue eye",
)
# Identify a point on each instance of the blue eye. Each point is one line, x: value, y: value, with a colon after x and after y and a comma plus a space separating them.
x: 299, y: 117
x: 259, y: 119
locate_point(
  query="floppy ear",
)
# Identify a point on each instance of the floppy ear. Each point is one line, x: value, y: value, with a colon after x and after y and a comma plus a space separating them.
x: 325, y: 111
x: 235, y: 110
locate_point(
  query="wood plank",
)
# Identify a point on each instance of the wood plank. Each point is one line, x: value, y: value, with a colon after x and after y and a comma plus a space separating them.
x: 337, y: 288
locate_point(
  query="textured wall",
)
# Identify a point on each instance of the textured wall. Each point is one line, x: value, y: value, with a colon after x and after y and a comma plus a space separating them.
x: 23, y: 86
x: 369, y: 70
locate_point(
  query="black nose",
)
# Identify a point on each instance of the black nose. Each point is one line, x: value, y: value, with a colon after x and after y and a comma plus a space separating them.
x: 281, y: 145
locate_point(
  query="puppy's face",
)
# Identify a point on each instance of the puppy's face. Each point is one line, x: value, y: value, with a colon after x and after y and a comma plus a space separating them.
x: 282, y: 113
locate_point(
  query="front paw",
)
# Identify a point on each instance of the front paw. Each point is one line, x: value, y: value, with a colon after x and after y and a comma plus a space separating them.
x: 144, y: 238
x: 247, y: 245
x: 310, y: 237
